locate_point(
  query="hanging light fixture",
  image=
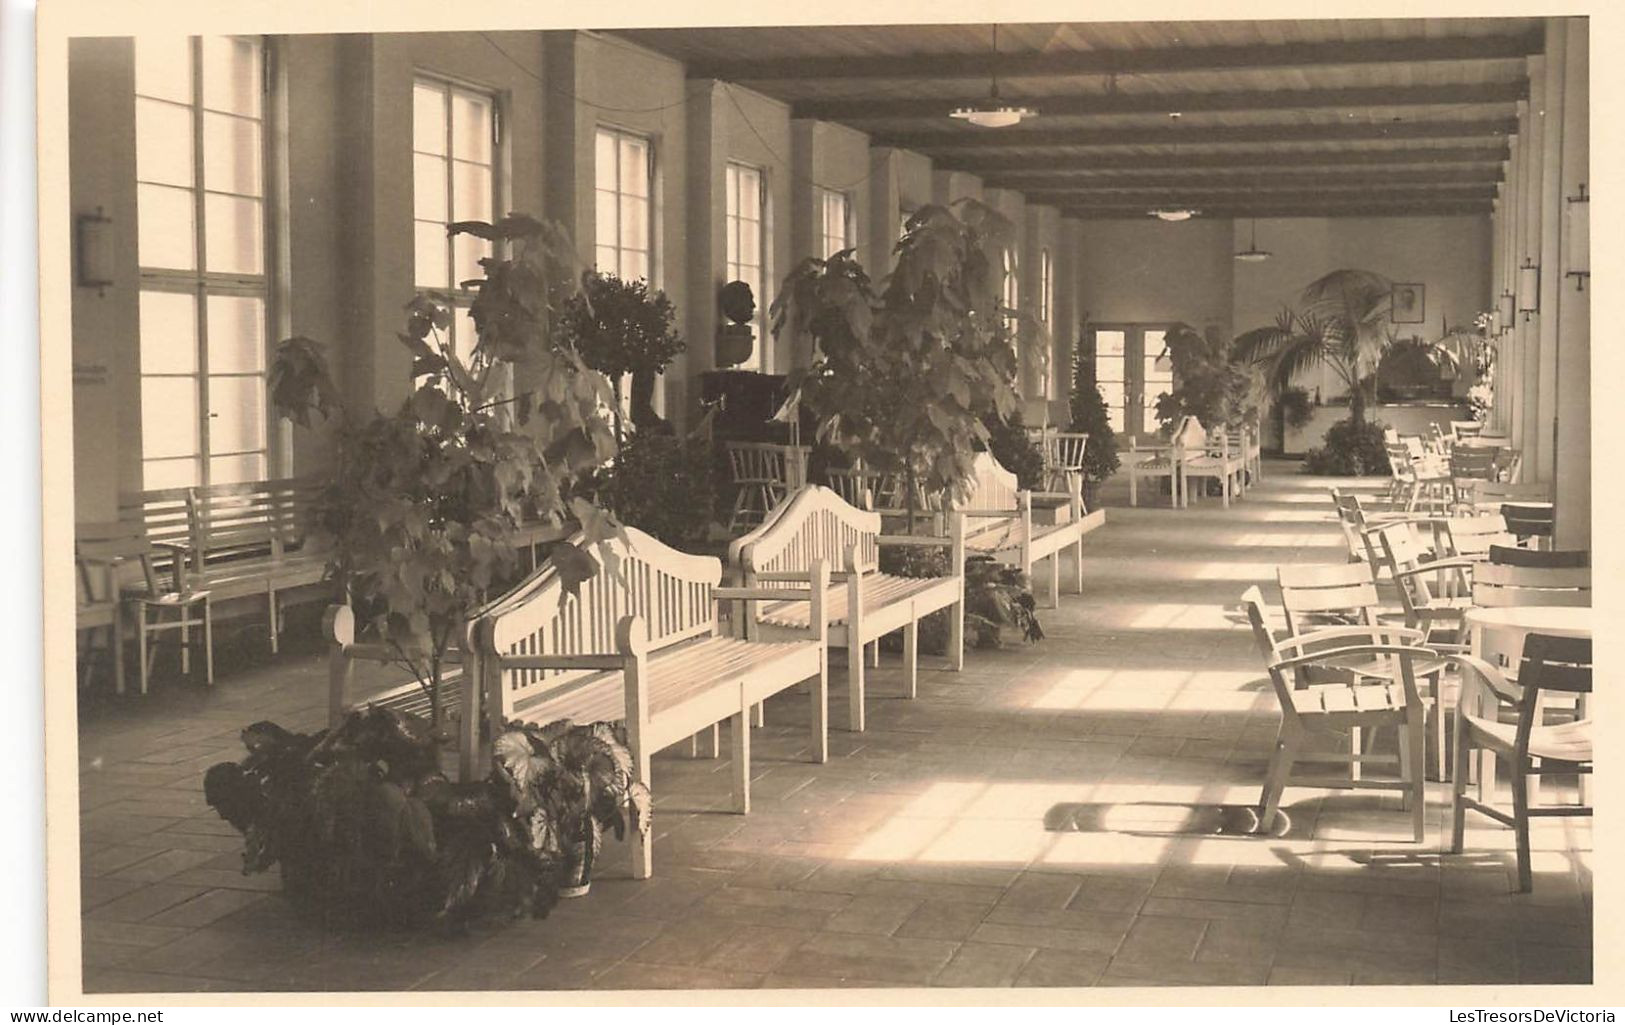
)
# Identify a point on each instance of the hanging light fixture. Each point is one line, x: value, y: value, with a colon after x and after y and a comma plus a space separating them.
x: 1173, y: 213
x: 992, y: 113
x: 1578, y: 233
x: 1528, y: 288
x: 1253, y: 254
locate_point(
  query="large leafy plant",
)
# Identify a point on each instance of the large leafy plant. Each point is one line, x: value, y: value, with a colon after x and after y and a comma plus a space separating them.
x: 367, y: 831
x: 620, y: 328
x: 424, y: 504
x: 902, y: 377
x: 999, y: 602
x: 1342, y: 324
x: 1090, y: 416
x: 1208, y: 383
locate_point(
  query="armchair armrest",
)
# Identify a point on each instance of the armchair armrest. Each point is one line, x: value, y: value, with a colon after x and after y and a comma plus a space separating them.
x: 1435, y: 566
x: 1323, y: 657
x: 1400, y: 633
x: 1479, y: 674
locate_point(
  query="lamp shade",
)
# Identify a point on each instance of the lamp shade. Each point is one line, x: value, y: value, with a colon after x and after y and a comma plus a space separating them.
x: 1577, y: 235
x: 1505, y: 312
x: 1528, y: 288
x: 93, y: 250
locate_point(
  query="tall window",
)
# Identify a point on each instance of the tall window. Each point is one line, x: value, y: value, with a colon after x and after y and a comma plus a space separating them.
x: 834, y: 220
x: 745, y: 228
x: 1012, y: 279
x: 200, y: 191
x: 625, y: 171
x: 454, y: 139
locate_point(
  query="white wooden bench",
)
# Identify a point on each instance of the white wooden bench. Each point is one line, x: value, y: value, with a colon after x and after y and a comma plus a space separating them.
x: 640, y: 641
x: 1002, y: 525
x: 815, y: 525
x: 1210, y: 454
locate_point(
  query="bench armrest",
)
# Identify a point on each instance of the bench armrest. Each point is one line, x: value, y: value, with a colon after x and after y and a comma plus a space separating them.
x: 913, y: 541
x: 582, y: 661
x: 762, y: 593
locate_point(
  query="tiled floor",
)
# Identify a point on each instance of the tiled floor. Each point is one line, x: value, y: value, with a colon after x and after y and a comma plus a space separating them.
x: 1045, y: 818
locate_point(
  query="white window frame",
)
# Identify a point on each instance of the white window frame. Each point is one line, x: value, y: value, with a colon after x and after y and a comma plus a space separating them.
x: 201, y: 284
x: 1046, y: 313
x: 618, y: 243
x: 826, y: 198
x: 460, y: 298
x: 735, y: 224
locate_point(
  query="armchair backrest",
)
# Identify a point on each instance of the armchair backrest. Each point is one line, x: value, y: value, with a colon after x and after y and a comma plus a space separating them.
x: 1549, y: 663
x: 1501, y: 586
x: 1326, y: 593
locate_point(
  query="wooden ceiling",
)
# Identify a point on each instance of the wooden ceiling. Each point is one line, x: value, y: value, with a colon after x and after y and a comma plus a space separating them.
x: 1234, y: 118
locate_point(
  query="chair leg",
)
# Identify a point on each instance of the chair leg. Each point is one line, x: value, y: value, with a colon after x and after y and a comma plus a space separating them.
x: 1356, y: 748
x: 911, y: 658
x: 1077, y: 566
x: 1275, y: 780
x: 874, y: 654
x: 186, y: 639
x: 739, y: 730
x: 143, y: 649
x: 276, y: 622
x: 1458, y: 790
x: 956, y: 636
x: 118, y: 651
x: 1416, y: 738
x: 1055, y: 580
x: 1520, y: 826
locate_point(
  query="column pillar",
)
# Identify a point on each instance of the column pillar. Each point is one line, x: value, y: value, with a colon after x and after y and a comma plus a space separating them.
x: 1572, y: 480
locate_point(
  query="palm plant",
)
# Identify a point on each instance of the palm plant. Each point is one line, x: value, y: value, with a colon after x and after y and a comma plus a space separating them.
x: 1344, y: 325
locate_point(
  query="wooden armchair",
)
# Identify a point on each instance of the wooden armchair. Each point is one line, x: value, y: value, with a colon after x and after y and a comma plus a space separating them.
x: 1359, y: 700
x: 1530, y: 747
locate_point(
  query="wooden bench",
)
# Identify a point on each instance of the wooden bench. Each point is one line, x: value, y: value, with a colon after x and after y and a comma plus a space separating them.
x: 863, y: 604
x: 1002, y: 526
x: 236, y: 540
x: 1210, y: 454
x: 640, y: 641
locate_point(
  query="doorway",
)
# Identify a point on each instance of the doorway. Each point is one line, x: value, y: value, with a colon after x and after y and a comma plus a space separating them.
x: 1131, y: 369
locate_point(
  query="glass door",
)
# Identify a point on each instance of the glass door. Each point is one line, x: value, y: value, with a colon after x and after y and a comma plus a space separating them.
x: 1131, y: 370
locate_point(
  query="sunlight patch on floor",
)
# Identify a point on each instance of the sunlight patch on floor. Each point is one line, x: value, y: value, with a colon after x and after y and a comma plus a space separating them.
x: 1151, y: 690
x: 1286, y: 540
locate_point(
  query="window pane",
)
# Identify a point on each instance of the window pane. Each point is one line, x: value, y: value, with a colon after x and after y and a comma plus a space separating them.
x: 231, y: 228
x: 471, y: 127
x: 428, y: 118
x: 470, y: 192
x: 604, y: 259
x: 231, y: 154
x: 606, y: 221
x: 236, y: 413
x: 466, y: 252
x: 237, y: 469
x: 634, y: 166
x: 163, y: 67
x: 634, y: 223
x: 157, y: 474
x: 236, y: 334
x: 169, y: 416
x: 231, y: 75
x: 634, y: 265
x: 750, y: 244
x: 1108, y: 343
x: 604, y: 171
x: 429, y: 255
x: 163, y: 143
x: 1114, y: 416
x: 731, y: 189
x: 168, y: 333
x: 165, y: 236
x: 429, y: 188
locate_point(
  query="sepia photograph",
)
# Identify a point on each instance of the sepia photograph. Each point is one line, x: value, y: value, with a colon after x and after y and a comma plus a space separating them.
x: 899, y: 505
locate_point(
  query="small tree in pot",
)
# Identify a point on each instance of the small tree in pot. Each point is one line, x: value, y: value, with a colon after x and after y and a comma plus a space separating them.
x: 620, y: 328
x: 1090, y: 416
x: 423, y: 505
x: 902, y: 379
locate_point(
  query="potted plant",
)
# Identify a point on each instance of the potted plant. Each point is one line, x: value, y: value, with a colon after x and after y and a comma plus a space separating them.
x: 620, y: 328
x: 1090, y: 416
x: 367, y: 831
x: 581, y: 778
x: 423, y: 505
x: 901, y: 378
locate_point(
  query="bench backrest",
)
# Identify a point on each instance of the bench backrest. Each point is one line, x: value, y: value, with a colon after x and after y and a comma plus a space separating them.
x: 813, y: 523
x: 223, y: 521
x: 991, y: 488
x: 670, y: 590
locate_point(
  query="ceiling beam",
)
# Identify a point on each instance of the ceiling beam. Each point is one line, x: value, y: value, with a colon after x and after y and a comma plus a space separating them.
x: 1365, y: 177
x: 1440, y: 209
x: 1492, y: 155
x: 1164, y: 60
x: 1103, y: 104
x: 1178, y: 135
x: 1241, y: 195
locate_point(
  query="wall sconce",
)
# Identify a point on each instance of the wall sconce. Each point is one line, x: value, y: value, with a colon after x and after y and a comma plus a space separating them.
x: 1504, y: 313
x: 1578, y: 229
x: 93, y: 237
x: 1528, y: 288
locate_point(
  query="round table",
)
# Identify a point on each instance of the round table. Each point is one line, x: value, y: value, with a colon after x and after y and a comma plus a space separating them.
x: 1520, y: 620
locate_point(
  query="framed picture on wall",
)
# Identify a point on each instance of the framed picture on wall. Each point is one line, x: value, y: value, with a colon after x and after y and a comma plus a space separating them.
x: 1406, y: 303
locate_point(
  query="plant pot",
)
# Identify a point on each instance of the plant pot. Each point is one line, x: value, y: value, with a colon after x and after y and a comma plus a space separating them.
x: 735, y: 342
x: 577, y: 879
